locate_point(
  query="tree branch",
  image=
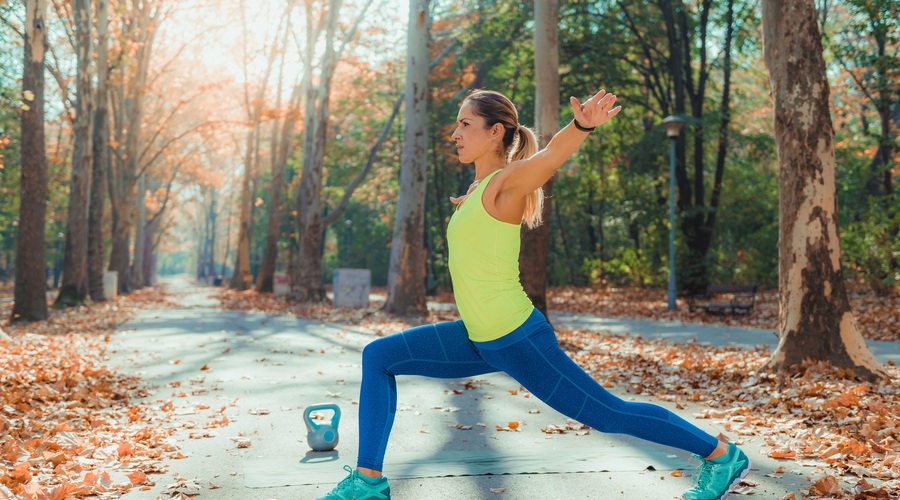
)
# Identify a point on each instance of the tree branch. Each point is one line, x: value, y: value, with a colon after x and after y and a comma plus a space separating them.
x: 373, y: 153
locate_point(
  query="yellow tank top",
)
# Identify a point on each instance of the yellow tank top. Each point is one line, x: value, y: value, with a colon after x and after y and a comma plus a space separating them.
x: 484, y: 266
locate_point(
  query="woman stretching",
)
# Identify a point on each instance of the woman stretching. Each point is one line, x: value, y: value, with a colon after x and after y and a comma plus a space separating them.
x: 500, y: 329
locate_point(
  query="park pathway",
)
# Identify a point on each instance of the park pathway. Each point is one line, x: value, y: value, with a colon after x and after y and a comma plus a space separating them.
x: 236, y: 385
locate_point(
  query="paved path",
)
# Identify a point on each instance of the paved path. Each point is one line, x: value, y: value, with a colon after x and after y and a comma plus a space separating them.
x: 262, y: 370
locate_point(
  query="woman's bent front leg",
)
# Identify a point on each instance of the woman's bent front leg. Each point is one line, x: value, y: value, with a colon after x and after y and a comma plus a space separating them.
x: 442, y: 350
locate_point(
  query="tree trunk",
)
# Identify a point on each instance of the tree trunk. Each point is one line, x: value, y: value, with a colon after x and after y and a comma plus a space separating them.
x: 100, y: 145
x: 136, y: 277
x: 536, y: 242
x: 689, y: 75
x: 148, y: 261
x: 206, y: 266
x: 30, y: 293
x: 309, y: 284
x: 281, y: 150
x: 406, y: 276
x: 74, y: 287
x: 814, y: 313
x: 241, y: 277
x: 140, y: 27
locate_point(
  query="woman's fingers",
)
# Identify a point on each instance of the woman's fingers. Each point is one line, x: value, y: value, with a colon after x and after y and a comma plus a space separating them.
x: 597, y: 110
x: 596, y: 98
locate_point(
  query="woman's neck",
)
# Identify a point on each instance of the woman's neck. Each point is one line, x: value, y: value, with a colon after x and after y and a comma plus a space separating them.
x: 485, y: 167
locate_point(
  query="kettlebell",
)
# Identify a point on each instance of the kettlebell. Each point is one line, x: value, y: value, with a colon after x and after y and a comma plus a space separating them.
x: 322, y: 437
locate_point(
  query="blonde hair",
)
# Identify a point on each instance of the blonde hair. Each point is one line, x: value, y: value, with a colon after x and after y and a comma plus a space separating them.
x: 518, y: 142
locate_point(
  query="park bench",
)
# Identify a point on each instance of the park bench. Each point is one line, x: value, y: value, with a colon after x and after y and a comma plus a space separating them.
x: 724, y: 299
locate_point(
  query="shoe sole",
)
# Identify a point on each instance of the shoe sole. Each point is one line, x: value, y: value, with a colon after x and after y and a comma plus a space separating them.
x: 737, y: 480
x: 734, y: 483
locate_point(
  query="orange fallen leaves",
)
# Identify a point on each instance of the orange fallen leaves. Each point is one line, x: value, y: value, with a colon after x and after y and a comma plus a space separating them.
x: 783, y: 454
x: 65, y: 418
x: 137, y: 477
x: 826, y: 485
x: 807, y: 413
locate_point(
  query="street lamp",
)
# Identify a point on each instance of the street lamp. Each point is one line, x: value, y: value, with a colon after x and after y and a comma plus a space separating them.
x: 673, y: 125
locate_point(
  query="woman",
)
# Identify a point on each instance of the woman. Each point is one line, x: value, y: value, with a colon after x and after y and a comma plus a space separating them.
x: 500, y: 329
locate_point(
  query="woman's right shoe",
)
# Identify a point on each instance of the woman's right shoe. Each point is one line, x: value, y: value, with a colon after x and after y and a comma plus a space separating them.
x: 715, y: 478
x: 358, y: 487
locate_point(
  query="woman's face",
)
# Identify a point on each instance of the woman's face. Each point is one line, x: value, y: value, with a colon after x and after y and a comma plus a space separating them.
x: 473, y: 139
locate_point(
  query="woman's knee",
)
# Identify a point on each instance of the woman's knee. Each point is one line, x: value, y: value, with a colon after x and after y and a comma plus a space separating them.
x: 376, y: 352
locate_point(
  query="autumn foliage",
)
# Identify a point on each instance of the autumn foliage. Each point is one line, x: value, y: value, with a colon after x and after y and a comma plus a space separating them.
x: 68, y: 426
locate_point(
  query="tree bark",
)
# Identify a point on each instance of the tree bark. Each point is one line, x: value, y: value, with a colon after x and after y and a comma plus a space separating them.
x: 140, y: 28
x: 136, y: 276
x: 74, y: 287
x: 100, y: 145
x: 406, y: 276
x: 815, y: 319
x: 686, y: 95
x: 281, y: 150
x: 309, y: 284
x: 30, y: 292
x: 533, y: 257
x: 242, y: 278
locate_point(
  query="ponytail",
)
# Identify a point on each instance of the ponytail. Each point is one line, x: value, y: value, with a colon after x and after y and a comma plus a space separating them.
x: 524, y: 147
x: 518, y: 143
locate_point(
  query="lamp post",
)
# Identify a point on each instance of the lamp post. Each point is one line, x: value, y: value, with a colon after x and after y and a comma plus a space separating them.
x: 673, y: 125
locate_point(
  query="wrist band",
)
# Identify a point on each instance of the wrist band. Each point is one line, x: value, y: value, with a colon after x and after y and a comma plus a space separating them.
x: 579, y: 127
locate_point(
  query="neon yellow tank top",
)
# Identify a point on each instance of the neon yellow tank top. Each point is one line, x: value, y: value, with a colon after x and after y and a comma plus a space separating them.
x: 484, y: 265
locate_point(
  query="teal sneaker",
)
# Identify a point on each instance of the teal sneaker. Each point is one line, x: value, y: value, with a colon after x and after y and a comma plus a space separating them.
x: 715, y: 478
x: 356, y: 487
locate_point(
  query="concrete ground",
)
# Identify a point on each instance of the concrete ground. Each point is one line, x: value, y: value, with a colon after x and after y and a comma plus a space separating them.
x: 260, y: 371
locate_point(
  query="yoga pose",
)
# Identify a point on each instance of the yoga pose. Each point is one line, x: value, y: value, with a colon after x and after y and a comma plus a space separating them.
x: 500, y: 329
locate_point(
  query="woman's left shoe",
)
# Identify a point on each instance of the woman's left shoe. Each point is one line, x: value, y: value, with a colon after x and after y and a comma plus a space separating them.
x: 358, y: 487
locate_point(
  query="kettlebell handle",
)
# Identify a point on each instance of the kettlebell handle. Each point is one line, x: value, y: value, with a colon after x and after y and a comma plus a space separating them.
x: 335, y: 419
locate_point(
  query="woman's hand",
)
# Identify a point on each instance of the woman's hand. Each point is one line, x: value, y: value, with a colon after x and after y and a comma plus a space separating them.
x: 596, y: 111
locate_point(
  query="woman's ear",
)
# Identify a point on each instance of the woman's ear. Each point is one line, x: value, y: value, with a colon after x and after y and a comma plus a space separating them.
x: 497, y: 131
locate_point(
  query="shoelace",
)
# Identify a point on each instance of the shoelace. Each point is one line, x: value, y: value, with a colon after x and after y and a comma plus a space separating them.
x: 347, y: 482
x: 703, y: 472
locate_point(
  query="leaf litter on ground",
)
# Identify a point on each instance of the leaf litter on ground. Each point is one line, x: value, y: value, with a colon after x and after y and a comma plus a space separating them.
x: 814, y: 414
x: 68, y: 428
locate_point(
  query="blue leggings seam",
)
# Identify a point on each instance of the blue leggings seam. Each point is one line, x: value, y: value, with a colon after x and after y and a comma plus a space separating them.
x: 586, y: 395
x: 441, y: 342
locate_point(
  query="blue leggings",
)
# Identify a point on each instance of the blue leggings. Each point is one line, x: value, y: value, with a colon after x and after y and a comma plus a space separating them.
x: 531, y: 355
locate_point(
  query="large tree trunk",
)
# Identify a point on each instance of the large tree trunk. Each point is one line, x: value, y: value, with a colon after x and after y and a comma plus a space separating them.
x: 536, y: 242
x: 100, y: 145
x: 406, y: 276
x: 281, y: 150
x: 31, y: 285
x: 241, y: 277
x: 140, y: 28
x: 74, y: 287
x: 309, y: 284
x: 814, y: 313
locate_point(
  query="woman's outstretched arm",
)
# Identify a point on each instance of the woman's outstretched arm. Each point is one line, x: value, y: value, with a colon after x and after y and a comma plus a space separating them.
x: 529, y: 174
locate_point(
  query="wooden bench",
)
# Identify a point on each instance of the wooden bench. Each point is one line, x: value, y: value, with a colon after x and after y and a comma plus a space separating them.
x: 725, y: 299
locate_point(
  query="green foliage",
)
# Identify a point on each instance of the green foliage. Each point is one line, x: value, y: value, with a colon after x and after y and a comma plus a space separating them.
x: 360, y: 239
x: 10, y: 167
x: 871, y: 248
